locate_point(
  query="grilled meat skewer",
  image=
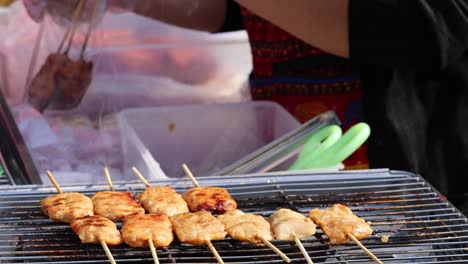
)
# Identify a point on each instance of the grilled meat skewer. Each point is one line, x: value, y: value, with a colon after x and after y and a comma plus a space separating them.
x: 197, y: 228
x: 65, y: 207
x: 138, y: 229
x: 338, y: 221
x: 96, y: 229
x: 163, y: 200
x: 287, y: 224
x: 211, y: 199
x: 246, y: 227
x: 116, y: 205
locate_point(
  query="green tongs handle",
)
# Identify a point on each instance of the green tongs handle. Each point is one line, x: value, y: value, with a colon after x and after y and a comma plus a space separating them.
x: 328, y: 146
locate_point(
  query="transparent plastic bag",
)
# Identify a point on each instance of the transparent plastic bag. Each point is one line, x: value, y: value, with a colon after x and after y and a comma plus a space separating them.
x: 137, y: 62
x: 126, y: 43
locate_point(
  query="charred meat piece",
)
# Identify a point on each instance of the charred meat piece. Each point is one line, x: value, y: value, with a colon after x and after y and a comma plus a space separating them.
x: 138, y: 229
x: 338, y: 221
x: 212, y: 199
x: 60, y: 83
x: 287, y: 223
x: 94, y: 229
x: 197, y: 228
x: 65, y: 207
x: 163, y: 200
x: 246, y: 227
x: 116, y: 205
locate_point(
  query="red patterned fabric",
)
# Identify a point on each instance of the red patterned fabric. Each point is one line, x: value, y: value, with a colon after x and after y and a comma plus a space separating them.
x: 305, y: 80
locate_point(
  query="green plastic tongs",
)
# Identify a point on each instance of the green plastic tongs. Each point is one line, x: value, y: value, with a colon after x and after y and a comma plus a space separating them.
x: 328, y: 147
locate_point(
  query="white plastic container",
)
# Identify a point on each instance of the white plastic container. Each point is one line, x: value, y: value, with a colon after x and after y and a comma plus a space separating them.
x: 205, y: 137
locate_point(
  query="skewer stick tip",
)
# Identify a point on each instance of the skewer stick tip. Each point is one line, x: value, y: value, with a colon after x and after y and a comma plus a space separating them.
x: 54, y: 182
x: 109, y: 180
x: 215, y: 253
x: 189, y: 173
x: 276, y: 250
x: 303, y: 250
x: 153, y: 251
x: 108, y: 253
x: 367, y: 251
x: 139, y: 175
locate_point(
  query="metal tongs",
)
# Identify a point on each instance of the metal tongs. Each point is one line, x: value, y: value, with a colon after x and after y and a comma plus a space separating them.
x: 318, y: 144
x: 62, y: 82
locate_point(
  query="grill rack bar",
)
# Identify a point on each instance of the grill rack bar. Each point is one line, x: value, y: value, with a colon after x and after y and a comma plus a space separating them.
x: 423, y: 227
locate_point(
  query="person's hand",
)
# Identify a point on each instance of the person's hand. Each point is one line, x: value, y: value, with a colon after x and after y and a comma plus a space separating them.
x: 62, y: 10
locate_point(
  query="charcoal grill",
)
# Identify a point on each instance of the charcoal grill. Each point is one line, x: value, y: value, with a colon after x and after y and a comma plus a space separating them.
x: 422, y: 226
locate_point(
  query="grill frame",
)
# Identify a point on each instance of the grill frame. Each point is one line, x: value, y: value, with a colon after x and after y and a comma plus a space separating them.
x: 423, y: 226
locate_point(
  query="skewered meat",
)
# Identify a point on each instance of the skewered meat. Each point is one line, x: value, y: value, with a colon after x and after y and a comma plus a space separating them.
x: 197, y: 228
x: 64, y: 207
x: 138, y: 229
x: 212, y: 199
x: 116, y: 205
x: 60, y: 83
x: 338, y: 221
x: 246, y: 227
x: 287, y: 223
x: 95, y: 228
x: 163, y: 200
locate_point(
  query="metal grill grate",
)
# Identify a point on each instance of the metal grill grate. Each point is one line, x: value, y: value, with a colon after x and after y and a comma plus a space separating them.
x: 422, y: 226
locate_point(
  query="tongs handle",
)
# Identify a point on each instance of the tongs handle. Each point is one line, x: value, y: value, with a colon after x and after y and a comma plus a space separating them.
x: 331, y: 154
x: 316, y: 144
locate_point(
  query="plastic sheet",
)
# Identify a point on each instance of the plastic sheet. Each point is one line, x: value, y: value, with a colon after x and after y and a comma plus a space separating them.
x: 137, y: 62
x: 125, y: 43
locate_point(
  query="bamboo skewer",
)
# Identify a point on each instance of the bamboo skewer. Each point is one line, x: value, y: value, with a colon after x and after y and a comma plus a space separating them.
x: 303, y: 250
x: 367, y: 251
x: 270, y: 245
x: 109, y: 180
x: 75, y: 16
x: 90, y: 27
x: 74, y: 24
x: 139, y: 175
x: 276, y: 250
x: 103, y: 243
x: 150, y: 241
x: 214, y: 251
x: 108, y: 253
x: 153, y: 251
x: 54, y: 182
x: 189, y: 173
x: 210, y: 245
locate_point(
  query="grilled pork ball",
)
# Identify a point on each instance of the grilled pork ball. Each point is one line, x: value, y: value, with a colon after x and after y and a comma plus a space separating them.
x: 338, y: 221
x: 212, y: 199
x: 138, y: 229
x: 246, y: 227
x: 64, y: 207
x: 285, y: 223
x: 95, y: 228
x: 197, y: 228
x: 116, y: 205
x: 163, y: 200
x: 60, y: 83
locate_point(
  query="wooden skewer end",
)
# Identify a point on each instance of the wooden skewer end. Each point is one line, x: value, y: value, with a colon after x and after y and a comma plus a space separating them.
x: 276, y: 250
x: 54, y: 182
x: 139, y: 175
x: 109, y: 179
x: 153, y: 251
x: 108, y: 253
x: 367, y: 251
x: 215, y: 253
x: 189, y: 173
x: 303, y: 250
